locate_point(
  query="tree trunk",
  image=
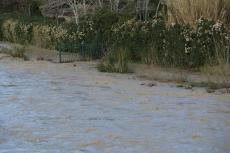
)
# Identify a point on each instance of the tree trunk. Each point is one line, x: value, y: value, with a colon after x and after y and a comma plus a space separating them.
x: 100, y: 3
x: 73, y: 5
x: 29, y: 9
x: 146, y: 9
x: 116, y: 5
x: 111, y: 5
x: 84, y: 7
x: 76, y: 17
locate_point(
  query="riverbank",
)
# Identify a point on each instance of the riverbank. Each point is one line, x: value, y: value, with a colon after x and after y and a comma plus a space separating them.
x: 184, y: 78
x: 219, y: 83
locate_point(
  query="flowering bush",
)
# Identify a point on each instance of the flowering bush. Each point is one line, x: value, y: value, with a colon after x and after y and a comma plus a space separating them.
x: 24, y: 32
x: 207, y: 42
x: 174, y: 45
x: 9, y: 30
x: 151, y: 42
x: 138, y: 37
x: 47, y: 35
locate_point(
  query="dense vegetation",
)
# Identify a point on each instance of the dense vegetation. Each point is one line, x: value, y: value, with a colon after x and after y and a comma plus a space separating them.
x: 122, y: 37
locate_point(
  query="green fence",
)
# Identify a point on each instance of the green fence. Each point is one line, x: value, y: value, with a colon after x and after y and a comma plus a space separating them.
x: 69, y: 52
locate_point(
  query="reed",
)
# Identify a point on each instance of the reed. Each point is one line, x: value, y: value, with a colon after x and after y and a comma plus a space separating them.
x: 189, y: 11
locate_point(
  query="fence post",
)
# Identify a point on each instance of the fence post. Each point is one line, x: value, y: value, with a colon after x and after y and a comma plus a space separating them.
x: 228, y: 56
x: 60, y: 58
x: 82, y: 49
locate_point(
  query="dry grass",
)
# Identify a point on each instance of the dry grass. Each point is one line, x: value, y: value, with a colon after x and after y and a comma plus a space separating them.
x: 189, y: 11
x: 222, y: 69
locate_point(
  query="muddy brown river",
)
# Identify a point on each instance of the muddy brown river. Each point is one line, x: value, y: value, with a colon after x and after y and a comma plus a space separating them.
x: 59, y: 108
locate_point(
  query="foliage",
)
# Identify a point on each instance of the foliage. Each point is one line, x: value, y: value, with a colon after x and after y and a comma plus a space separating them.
x: 37, y: 32
x: 26, y: 7
x: 124, y: 40
x: 153, y: 42
x: 115, y: 62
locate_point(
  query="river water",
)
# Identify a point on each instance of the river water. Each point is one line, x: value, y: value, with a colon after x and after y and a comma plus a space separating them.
x: 59, y: 108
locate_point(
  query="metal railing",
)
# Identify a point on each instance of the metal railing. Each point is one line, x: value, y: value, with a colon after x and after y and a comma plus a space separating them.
x: 70, y: 52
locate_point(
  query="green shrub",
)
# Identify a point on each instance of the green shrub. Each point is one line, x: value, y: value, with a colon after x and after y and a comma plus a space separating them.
x: 207, y: 43
x: 152, y: 42
x: 9, y: 30
x: 122, y: 41
x: 175, y: 54
x: 115, y: 61
x: 37, y: 32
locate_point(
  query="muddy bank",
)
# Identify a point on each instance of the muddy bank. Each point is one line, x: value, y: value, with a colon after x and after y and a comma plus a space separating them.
x: 177, y: 75
x: 29, y: 52
x: 183, y: 78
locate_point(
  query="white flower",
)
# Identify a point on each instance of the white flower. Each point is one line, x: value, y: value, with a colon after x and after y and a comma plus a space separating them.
x: 217, y: 26
x: 173, y: 24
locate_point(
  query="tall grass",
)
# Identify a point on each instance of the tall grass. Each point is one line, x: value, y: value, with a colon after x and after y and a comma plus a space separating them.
x: 115, y: 61
x: 189, y: 11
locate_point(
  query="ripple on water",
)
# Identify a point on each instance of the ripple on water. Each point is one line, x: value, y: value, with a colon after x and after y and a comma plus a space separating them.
x: 51, y: 113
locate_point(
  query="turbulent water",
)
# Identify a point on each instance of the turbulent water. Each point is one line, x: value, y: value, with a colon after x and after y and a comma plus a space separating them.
x: 59, y: 108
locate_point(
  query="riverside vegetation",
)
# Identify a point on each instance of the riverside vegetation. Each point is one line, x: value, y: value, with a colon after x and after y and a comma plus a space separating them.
x: 166, y: 38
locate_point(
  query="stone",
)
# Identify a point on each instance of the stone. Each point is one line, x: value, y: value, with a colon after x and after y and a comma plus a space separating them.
x: 188, y: 86
x: 151, y: 84
x: 210, y: 90
x: 142, y: 83
x: 26, y: 58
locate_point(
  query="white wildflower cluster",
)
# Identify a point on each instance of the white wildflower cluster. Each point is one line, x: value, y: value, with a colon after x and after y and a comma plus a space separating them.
x: 227, y: 38
x: 173, y: 24
x: 154, y: 23
x: 200, y: 20
x: 72, y: 37
x: 217, y: 27
x: 114, y: 29
x: 205, y: 27
x: 127, y: 26
x: 145, y: 29
x: 188, y: 34
x: 58, y: 32
x: 25, y: 28
x: 80, y: 35
x: 131, y: 27
x: 51, y: 35
x: 90, y: 24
